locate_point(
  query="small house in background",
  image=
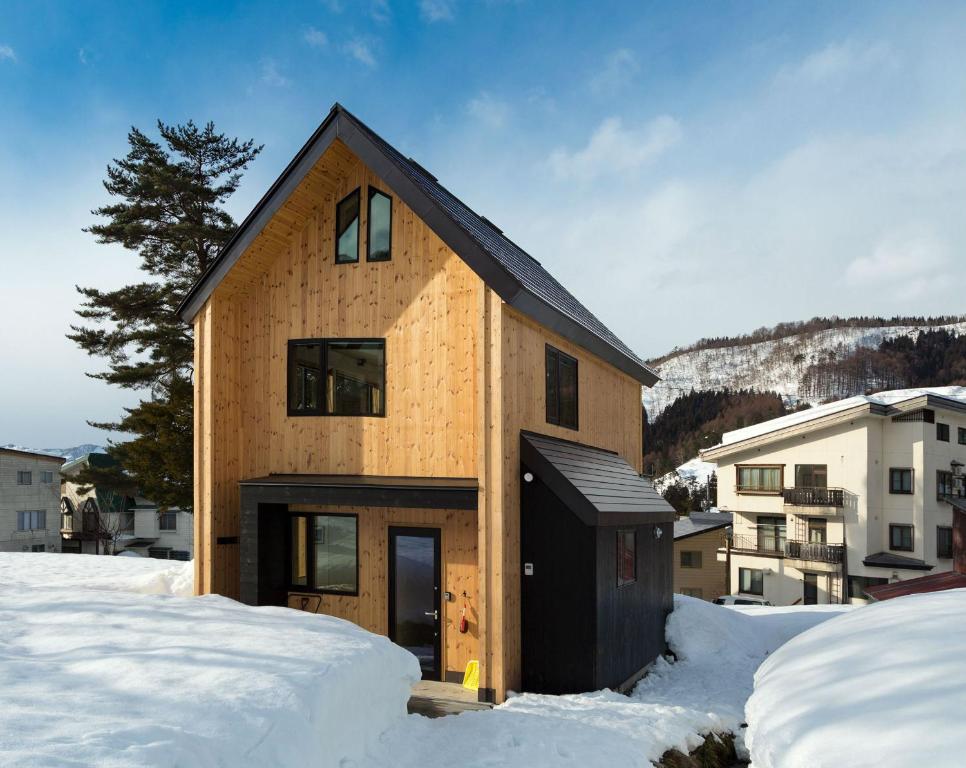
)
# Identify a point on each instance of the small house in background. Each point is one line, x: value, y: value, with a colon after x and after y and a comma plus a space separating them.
x: 29, y: 485
x: 699, y: 539
x: 397, y: 408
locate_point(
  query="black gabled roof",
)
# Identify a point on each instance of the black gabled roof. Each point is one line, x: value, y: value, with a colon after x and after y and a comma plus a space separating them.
x: 517, y: 277
x: 598, y: 486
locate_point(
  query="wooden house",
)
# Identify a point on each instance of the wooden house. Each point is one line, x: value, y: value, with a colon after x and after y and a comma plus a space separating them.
x: 398, y: 412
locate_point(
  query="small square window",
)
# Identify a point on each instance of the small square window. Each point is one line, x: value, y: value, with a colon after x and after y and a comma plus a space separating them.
x: 944, y: 542
x: 168, y: 521
x: 751, y: 581
x: 900, y: 537
x: 626, y: 557
x: 347, y: 229
x: 691, y: 559
x: 942, y: 432
x: 25, y: 477
x: 325, y: 553
x: 900, y: 481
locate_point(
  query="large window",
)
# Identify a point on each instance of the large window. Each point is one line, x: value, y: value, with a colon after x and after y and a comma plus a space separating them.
x: 168, y: 521
x: 347, y: 229
x: 24, y: 477
x: 31, y: 520
x: 691, y: 559
x: 325, y: 553
x: 334, y: 377
x: 561, y: 388
x: 900, y: 537
x: 771, y: 534
x: 379, y: 226
x: 942, y: 432
x: 626, y: 557
x: 900, y: 480
x: 811, y: 476
x: 751, y: 581
x: 759, y: 479
x: 944, y: 542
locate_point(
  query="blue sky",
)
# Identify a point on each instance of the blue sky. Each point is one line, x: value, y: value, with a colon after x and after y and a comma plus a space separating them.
x: 687, y: 169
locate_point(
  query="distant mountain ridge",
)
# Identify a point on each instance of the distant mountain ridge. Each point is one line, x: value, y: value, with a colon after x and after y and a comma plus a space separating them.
x: 68, y: 453
x: 780, y: 359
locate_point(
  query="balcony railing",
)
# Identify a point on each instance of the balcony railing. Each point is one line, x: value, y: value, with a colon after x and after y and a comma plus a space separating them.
x: 814, y: 551
x: 814, y: 497
x: 762, y: 545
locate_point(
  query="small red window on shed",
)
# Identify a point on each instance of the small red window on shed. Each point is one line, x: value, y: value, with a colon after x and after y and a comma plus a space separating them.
x: 626, y: 557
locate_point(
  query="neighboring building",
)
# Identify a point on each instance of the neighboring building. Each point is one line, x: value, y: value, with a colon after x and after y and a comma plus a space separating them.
x: 29, y: 496
x: 402, y: 419
x: 98, y: 520
x: 838, y: 498
x: 698, y: 538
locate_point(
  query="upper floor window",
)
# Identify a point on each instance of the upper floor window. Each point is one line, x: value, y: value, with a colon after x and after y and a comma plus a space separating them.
x: 626, y: 557
x: 900, y: 480
x: 561, y: 388
x: 32, y: 520
x: 347, y: 229
x: 771, y: 533
x: 944, y: 484
x: 379, y: 226
x: 333, y: 377
x: 759, y: 479
x: 900, y: 537
x: 691, y: 558
x: 25, y: 477
x: 962, y: 435
x: 811, y: 476
x: 817, y: 530
x: 944, y: 542
x: 751, y: 581
x: 168, y: 521
x: 47, y: 477
x: 942, y: 432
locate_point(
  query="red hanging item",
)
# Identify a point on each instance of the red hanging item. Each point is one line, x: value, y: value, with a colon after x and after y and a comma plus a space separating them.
x: 464, y: 623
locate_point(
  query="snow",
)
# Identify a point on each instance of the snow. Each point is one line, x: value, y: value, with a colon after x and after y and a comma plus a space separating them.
x: 694, y: 473
x: 95, y: 672
x: 66, y: 453
x: 880, y: 687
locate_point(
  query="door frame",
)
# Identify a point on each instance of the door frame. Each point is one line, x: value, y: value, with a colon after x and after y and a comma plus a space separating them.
x: 805, y: 587
x: 435, y: 533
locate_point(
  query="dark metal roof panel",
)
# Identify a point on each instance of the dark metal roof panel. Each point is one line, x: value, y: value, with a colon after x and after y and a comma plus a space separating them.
x: 934, y: 582
x: 891, y: 560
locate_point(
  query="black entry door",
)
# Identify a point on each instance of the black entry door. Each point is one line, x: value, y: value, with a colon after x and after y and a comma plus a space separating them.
x: 414, y: 583
x: 810, y: 596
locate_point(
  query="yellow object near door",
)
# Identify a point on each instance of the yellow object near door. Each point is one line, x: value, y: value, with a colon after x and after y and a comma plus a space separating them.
x: 471, y: 679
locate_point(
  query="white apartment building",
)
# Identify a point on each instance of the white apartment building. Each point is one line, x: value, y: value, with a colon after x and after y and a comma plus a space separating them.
x: 29, y: 501
x: 836, y: 498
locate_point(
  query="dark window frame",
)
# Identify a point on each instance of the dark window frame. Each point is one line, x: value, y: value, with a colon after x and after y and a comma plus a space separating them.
x: 554, y: 410
x: 310, y: 556
x: 752, y: 491
x: 942, y: 432
x: 621, y: 533
x: 751, y: 590
x: 357, y: 193
x: 372, y: 192
x: 944, y: 552
x: 26, y: 518
x: 817, y: 525
x: 691, y: 559
x: 170, y: 516
x: 776, y: 528
x: 799, y: 471
x: 25, y: 477
x: 322, y: 409
x: 898, y: 527
x: 947, y: 475
x: 894, y: 472
x: 961, y: 433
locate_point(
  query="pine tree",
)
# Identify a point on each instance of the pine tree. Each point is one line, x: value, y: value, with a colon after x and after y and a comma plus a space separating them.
x: 169, y: 211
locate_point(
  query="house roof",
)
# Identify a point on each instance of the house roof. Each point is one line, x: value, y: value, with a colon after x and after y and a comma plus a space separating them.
x: 33, y: 454
x: 517, y: 277
x: 934, y: 582
x: 101, y: 460
x: 700, y: 522
x: 599, y: 486
x: 892, y: 560
x: 887, y: 403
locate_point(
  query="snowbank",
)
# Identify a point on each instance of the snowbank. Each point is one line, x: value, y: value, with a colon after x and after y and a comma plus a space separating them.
x: 92, y: 675
x: 880, y: 687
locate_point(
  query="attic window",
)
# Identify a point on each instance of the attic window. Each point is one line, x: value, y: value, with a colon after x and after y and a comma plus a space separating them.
x: 347, y: 229
x: 561, y: 388
x: 379, y: 226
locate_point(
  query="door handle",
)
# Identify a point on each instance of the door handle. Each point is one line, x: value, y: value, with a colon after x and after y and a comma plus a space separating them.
x: 434, y: 614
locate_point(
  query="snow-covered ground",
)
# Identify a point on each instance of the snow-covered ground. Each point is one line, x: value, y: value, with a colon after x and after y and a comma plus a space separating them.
x: 93, y: 675
x: 694, y: 473
x: 883, y: 687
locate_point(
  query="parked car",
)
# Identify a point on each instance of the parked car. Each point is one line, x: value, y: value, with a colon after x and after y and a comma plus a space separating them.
x: 740, y: 600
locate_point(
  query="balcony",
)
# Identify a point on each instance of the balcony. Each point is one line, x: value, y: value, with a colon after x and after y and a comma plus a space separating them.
x: 814, y: 552
x: 814, y: 497
x: 758, y: 545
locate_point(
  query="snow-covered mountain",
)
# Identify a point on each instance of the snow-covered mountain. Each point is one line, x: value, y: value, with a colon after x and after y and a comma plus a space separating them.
x: 68, y: 453
x: 776, y: 365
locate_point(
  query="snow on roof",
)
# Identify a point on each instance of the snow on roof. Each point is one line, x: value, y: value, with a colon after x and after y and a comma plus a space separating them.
x: 699, y: 522
x: 888, y: 398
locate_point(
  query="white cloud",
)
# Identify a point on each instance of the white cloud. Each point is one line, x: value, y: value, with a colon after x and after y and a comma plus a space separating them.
x: 488, y: 110
x: 618, y: 71
x: 361, y: 50
x: 315, y: 37
x: 270, y: 74
x: 82, y: 56
x: 614, y: 149
x: 380, y: 11
x: 906, y: 261
x: 837, y: 60
x: 7, y: 53
x: 436, y: 10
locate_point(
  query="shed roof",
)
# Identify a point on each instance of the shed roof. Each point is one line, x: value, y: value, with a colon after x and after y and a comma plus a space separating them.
x: 891, y: 560
x: 934, y: 582
x: 517, y: 277
x: 599, y: 486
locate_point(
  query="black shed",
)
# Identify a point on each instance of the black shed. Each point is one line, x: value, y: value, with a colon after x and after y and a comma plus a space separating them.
x: 596, y: 552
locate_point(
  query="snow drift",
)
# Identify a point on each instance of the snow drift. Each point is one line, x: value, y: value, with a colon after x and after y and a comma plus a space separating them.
x: 882, y: 687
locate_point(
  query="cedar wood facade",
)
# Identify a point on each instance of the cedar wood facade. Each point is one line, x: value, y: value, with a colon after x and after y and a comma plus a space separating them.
x: 466, y: 324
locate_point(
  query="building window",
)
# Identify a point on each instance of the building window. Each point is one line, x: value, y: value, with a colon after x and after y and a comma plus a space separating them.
x: 347, y: 229
x: 25, y: 477
x: 900, y: 481
x: 626, y: 557
x: 47, y: 477
x: 691, y: 559
x: 942, y: 432
x: 38, y: 548
x: 944, y: 542
x: 817, y: 530
x: 325, y: 553
x: 771, y: 534
x: 858, y: 585
x: 900, y: 537
x: 354, y: 380
x: 379, y: 226
x: 944, y: 484
x: 168, y: 521
x: 32, y: 520
x: 962, y: 435
x: 751, y: 581
x: 693, y: 592
x: 759, y: 479
x: 561, y: 388
x: 811, y: 476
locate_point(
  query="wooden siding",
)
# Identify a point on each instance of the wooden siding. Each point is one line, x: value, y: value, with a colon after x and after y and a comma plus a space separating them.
x: 712, y: 577
x: 370, y: 608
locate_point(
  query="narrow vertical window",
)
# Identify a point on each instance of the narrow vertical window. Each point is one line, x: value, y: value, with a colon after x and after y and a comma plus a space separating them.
x: 379, y: 226
x: 304, y: 378
x: 626, y: 557
x: 347, y: 229
x: 561, y: 379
